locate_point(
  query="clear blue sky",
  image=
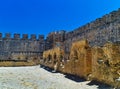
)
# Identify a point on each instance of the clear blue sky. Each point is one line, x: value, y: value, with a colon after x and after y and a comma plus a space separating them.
x: 44, y: 16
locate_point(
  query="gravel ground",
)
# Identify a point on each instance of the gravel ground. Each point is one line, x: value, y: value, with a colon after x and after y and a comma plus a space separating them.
x: 34, y: 77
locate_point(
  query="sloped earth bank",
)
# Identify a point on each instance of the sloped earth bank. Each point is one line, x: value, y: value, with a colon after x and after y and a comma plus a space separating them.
x: 34, y: 77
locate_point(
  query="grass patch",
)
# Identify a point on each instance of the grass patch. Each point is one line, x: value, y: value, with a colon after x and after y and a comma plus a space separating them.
x: 15, y: 64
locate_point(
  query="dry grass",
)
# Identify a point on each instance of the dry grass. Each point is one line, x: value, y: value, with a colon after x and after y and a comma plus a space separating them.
x: 15, y: 64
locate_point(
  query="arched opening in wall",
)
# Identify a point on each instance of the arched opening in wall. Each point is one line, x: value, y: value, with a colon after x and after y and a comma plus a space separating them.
x: 44, y: 60
x: 26, y: 59
x: 18, y: 58
x: 62, y: 60
x: 75, y: 56
x: 35, y: 58
x: 61, y: 57
x: 55, y: 59
x: 9, y: 58
x: 54, y: 62
x: 55, y: 56
x: 49, y: 58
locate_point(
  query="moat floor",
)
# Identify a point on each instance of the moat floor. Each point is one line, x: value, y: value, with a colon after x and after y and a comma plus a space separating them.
x: 37, y: 78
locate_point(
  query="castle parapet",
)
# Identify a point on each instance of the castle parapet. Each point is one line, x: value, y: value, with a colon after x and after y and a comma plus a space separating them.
x: 33, y: 37
x: 25, y: 37
x: 41, y: 37
x: 16, y: 36
x: 7, y: 36
x: 0, y: 36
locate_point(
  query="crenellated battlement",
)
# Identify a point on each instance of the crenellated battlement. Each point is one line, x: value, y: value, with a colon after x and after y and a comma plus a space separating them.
x: 25, y: 37
x: 0, y: 36
x: 41, y: 37
x: 21, y: 47
x: 16, y: 36
x: 7, y: 36
x: 33, y: 37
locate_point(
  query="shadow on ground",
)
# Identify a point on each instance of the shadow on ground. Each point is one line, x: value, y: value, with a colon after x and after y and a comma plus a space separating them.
x: 48, y: 69
x: 75, y: 78
x: 80, y: 79
x: 100, y: 85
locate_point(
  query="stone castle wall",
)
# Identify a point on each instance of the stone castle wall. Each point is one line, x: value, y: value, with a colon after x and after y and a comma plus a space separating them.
x: 89, y: 51
x: 20, y: 48
x: 97, y: 32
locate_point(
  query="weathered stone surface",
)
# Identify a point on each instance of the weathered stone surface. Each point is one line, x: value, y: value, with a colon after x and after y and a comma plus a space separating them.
x: 106, y: 63
x: 69, y: 52
x: 17, y: 48
x: 54, y: 58
x: 95, y: 57
x: 80, y: 59
x: 88, y: 62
